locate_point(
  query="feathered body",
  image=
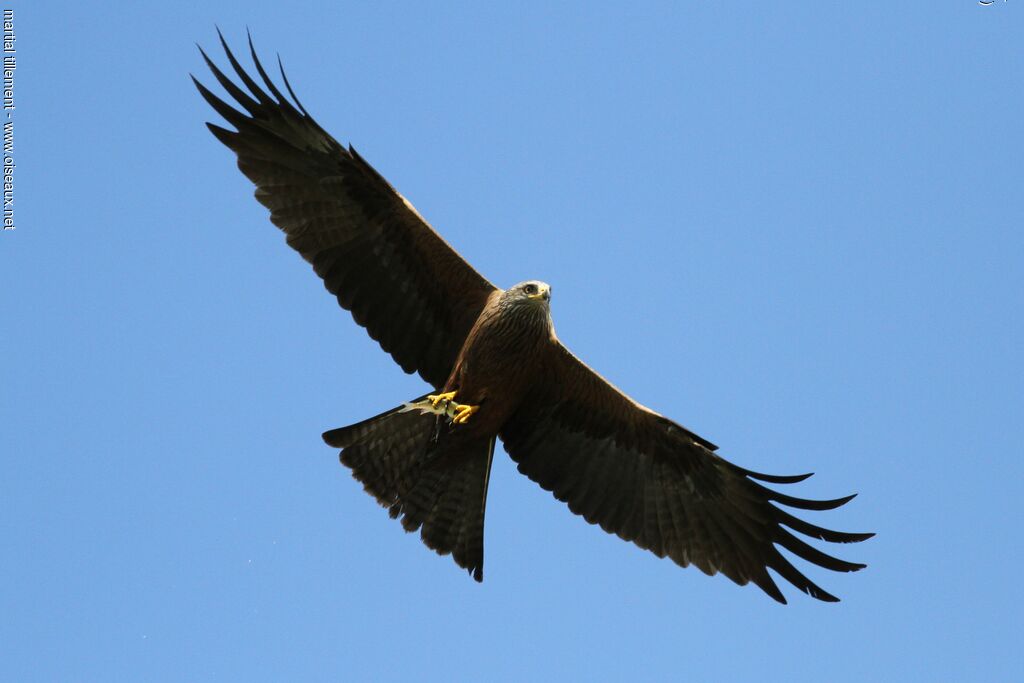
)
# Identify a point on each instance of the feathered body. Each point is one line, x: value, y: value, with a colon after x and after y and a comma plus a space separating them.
x: 503, y: 354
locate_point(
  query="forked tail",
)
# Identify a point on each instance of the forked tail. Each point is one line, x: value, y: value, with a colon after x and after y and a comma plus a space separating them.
x: 432, y: 477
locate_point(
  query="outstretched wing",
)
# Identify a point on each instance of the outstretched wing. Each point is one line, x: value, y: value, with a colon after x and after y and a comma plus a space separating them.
x: 647, y: 479
x: 412, y: 292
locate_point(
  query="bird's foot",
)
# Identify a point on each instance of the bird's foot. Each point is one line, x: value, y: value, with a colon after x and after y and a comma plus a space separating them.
x: 436, y: 399
x: 444, y: 404
x: 463, y: 413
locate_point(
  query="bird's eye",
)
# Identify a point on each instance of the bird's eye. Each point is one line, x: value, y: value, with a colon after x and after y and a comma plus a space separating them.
x: 531, y: 289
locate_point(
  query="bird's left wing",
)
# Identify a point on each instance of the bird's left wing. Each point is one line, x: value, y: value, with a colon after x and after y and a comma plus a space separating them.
x: 412, y: 292
x: 650, y: 481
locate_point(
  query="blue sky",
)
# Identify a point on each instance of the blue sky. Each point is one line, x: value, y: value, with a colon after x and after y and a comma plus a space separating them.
x: 808, y: 218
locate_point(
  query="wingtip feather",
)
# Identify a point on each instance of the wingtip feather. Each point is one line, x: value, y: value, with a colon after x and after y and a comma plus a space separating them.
x: 775, y: 478
x: 807, y: 504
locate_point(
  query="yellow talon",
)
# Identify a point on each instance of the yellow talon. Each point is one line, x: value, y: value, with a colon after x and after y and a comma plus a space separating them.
x: 437, y: 398
x: 458, y: 412
x: 462, y: 413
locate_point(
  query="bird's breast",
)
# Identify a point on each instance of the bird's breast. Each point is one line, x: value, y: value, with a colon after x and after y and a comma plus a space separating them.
x: 502, y: 357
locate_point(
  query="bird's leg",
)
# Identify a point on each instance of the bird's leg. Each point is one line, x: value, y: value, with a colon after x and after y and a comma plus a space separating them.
x: 463, y: 412
x: 435, y: 399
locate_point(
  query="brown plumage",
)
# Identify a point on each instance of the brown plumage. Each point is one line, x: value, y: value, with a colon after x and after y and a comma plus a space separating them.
x: 618, y: 464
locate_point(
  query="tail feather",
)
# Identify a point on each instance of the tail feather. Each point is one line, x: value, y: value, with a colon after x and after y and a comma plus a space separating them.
x: 433, y: 479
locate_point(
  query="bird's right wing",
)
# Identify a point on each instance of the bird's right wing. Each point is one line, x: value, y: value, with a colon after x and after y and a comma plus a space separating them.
x: 651, y: 481
x: 412, y: 292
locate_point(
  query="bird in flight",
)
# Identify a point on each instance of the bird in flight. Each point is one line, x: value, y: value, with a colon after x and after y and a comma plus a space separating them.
x: 498, y: 370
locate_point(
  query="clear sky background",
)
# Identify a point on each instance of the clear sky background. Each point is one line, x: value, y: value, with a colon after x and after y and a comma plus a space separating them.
x: 796, y: 230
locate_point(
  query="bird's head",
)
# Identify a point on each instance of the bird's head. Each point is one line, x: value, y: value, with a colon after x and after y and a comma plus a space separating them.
x: 533, y: 292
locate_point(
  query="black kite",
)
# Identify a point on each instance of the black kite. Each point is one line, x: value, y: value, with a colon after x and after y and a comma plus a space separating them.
x: 617, y: 463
